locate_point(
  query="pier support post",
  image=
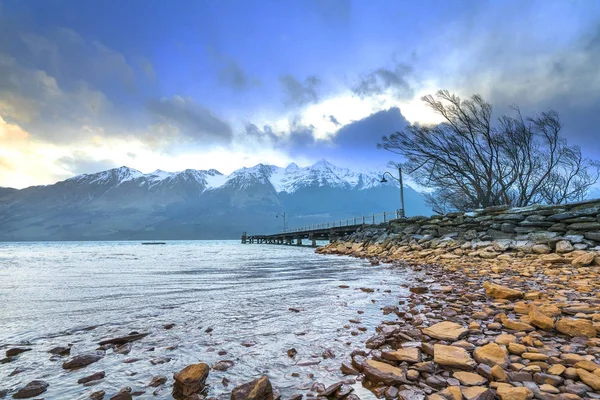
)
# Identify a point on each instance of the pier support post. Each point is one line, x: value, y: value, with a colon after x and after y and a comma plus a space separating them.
x: 298, y: 241
x: 313, y: 241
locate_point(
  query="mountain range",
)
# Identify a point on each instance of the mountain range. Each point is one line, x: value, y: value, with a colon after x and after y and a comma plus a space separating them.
x: 126, y: 204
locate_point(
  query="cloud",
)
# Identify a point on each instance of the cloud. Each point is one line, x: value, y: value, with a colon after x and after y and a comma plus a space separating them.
x: 232, y: 75
x: 80, y: 162
x: 358, y: 140
x: 191, y: 120
x: 296, y: 138
x: 334, y: 121
x: 383, y: 79
x: 300, y: 93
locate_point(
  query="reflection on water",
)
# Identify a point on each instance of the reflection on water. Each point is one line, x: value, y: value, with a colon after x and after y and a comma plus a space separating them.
x: 51, y: 293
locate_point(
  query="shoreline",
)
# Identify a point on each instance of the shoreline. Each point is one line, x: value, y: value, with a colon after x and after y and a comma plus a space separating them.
x: 504, y: 323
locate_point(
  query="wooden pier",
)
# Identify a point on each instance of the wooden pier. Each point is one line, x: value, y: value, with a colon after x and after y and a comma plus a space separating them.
x: 328, y: 232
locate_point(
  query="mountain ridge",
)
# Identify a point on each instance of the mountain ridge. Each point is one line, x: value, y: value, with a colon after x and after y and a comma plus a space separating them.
x: 124, y: 203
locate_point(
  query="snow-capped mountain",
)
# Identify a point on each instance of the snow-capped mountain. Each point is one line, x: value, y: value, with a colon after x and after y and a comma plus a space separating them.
x: 124, y: 203
x: 288, y: 179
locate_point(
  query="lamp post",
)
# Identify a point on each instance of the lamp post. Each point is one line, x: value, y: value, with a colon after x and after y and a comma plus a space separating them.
x: 283, y: 215
x: 399, y: 179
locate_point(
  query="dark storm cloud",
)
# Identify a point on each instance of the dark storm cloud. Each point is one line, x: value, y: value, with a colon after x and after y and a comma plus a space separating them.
x: 192, y: 119
x: 359, y: 138
x: 383, y: 79
x: 300, y: 93
x: 566, y: 80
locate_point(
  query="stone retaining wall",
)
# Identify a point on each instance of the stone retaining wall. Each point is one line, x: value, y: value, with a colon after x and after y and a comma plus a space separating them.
x: 540, y: 229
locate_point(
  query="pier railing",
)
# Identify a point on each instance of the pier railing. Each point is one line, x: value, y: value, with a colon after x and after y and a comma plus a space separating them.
x: 370, y: 219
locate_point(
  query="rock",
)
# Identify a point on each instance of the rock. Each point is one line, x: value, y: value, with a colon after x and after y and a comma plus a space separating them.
x: 292, y: 352
x: 556, y: 369
x: 93, y: 377
x: 501, y: 292
x: 190, y: 380
x: 583, y: 260
x: 411, y: 354
x: 157, y: 381
x: 60, y: 350
x: 81, y: 361
x: 541, y: 249
x: 553, y: 258
x: 540, y: 319
x: 470, y: 378
x: 452, y: 356
x: 377, y: 371
x: 576, y: 327
x: 99, y: 395
x: 491, y: 354
x: 542, y: 378
x: 124, y: 394
x: 445, y: 330
x: 587, y: 365
x: 15, y: 351
x: 410, y: 394
x: 516, y: 348
x: 375, y: 342
x: 477, y: 393
x: 223, y: 365
x: 331, y: 389
x: 348, y: 369
x: 412, y: 375
x: 514, y: 393
x: 419, y: 289
x: 258, y: 389
x: 451, y: 393
x: 32, y: 389
x: 499, y: 374
x: 564, y: 246
x: 515, y: 325
x: 119, y: 341
x: 589, y: 379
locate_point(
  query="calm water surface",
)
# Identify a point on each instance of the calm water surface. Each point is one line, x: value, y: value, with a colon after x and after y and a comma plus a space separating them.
x: 52, y: 294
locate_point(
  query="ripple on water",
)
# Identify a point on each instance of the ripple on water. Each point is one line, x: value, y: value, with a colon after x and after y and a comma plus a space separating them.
x: 80, y: 293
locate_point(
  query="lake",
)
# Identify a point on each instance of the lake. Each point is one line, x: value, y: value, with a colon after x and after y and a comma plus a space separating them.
x: 222, y: 297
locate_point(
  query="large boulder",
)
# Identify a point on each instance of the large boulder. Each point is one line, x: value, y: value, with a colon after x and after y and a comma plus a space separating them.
x: 32, y: 389
x: 445, y: 330
x: 491, y: 354
x: 539, y: 319
x: 576, y: 327
x: 377, y: 371
x: 452, y: 356
x: 564, y: 246
x: 190, y: 380
x: 501, y: 292
x: 258, y: 389
x: 411, y: 354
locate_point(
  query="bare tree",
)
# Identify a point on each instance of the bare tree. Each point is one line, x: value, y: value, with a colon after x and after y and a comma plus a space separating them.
x: 471, y: 164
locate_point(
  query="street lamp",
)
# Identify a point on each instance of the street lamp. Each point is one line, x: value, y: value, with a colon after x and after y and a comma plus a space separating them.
x: 399, y: 179
x: 283, y: 215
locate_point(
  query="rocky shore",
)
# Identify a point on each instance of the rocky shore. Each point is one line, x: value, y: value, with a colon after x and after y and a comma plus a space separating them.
x: 513, y: 316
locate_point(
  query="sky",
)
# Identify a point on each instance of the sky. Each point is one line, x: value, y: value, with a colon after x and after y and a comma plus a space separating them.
x: 96, y: 84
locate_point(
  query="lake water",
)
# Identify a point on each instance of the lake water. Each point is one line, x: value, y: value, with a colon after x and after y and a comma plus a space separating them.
x: 53, y: 294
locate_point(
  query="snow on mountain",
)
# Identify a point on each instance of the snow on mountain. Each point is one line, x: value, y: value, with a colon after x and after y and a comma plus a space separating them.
x: 288, y: 179
x: 111, y: 176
